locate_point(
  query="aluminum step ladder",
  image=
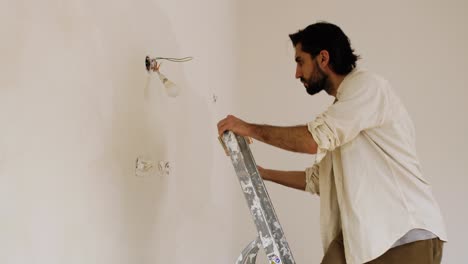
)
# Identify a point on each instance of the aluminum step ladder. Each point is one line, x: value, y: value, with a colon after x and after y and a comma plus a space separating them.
x: 270, y: 234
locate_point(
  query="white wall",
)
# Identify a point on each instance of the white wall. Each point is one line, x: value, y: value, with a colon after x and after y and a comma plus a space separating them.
x: 76, y: 111
x: 420, y: 46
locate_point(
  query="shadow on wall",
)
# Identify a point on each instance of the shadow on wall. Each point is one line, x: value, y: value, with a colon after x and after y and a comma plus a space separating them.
x: 159, y: 212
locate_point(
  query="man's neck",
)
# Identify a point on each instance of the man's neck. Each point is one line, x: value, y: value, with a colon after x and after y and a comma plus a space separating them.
x: 335, y: 81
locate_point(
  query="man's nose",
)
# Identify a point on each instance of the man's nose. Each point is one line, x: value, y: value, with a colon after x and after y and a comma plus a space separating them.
x: 298, y: 72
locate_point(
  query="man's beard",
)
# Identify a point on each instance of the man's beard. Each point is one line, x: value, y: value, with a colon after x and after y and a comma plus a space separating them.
x: 317, y: 82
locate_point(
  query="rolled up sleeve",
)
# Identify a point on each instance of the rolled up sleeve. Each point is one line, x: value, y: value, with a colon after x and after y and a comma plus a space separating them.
x: 312, y: 179
x: 361, y: 106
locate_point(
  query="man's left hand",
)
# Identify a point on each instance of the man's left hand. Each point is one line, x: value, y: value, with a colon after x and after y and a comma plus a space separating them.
x: 235, y: 125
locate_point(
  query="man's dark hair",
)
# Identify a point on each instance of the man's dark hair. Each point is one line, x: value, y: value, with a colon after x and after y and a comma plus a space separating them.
x: 326, y: 36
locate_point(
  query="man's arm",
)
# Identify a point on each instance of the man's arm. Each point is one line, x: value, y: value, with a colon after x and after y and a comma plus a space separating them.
x: 297, y: 138
x: 293, y: 179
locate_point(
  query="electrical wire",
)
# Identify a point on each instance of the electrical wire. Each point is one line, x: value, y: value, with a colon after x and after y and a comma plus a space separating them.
x: 185, y: 59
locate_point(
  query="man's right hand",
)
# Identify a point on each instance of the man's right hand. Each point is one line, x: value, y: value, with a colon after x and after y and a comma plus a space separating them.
x: 263, y: 173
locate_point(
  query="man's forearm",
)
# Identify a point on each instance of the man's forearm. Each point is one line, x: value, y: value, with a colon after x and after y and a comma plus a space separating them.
x: 297, y: 138
x: 293, y: 179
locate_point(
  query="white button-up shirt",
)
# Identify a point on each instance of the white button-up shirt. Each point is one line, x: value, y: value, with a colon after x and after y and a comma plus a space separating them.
x: 367, y: 171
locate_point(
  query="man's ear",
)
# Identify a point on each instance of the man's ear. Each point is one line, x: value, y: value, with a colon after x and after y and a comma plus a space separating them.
x: 324, y: 58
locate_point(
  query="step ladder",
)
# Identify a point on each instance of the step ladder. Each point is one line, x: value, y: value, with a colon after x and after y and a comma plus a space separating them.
x: 270, y: 234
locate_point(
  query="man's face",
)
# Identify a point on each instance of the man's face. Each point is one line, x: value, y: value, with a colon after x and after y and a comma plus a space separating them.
x: 309, y: 71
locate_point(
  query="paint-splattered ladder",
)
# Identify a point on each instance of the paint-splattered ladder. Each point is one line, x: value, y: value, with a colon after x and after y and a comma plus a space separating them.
x: 270, y: 233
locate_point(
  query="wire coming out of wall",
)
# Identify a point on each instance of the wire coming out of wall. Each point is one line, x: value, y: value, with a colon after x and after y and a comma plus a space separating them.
x: 152, y: 65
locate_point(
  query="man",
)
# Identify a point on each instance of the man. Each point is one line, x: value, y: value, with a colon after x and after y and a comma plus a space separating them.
x: 376, y: 207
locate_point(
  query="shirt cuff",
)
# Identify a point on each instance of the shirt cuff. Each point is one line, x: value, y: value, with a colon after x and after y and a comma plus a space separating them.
x: 312, y: 180
x: 324, y: 137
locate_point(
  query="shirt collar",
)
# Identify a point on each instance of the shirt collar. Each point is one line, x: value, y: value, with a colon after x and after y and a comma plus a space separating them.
x: 347, y: 77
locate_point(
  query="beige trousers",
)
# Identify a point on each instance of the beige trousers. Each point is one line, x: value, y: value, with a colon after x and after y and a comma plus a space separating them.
x: 419, y: 252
